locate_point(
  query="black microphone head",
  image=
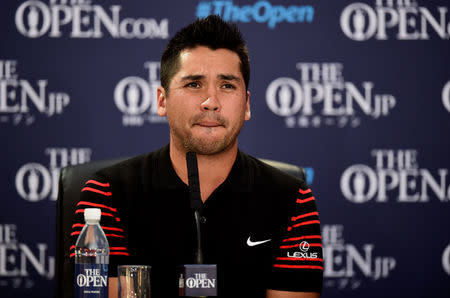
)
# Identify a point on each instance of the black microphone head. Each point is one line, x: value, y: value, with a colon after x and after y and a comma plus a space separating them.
x: 191, y: 155
x: 194, y: 181
x: 192, y: 166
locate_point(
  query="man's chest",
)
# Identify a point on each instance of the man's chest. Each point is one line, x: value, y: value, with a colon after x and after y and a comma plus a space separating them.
x: 236, y: 228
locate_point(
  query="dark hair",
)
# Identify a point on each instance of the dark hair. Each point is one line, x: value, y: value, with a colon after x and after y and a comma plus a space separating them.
x: 211, y: 32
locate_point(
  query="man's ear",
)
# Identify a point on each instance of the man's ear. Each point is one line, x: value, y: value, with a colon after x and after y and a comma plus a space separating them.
x: 161, y: 101
x: 248, y: 113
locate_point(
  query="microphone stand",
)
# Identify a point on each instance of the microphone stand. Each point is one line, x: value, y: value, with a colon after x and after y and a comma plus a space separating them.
x: 196, y: 206
x: 196, y: 201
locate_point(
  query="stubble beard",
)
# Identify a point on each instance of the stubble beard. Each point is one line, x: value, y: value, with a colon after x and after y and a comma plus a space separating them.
x: 206, y: 146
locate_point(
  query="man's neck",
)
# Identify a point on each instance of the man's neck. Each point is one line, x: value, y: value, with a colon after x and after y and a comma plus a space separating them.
x: 212, y: 169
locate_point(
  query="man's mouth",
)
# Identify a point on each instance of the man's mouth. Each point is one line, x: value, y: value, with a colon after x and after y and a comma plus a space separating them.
x: 208, y: 123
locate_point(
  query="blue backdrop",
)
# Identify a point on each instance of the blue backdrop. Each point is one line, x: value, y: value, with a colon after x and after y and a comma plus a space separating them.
x: 358, y: 92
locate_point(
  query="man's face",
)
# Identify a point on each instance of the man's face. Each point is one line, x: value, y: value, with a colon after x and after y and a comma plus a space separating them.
x: 207, y: 102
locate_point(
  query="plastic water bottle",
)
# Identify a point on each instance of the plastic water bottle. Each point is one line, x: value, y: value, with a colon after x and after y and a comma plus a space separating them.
x: 91, y: 258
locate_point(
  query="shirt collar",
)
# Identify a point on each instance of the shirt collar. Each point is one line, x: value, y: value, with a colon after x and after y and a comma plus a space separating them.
x: 164, y: 177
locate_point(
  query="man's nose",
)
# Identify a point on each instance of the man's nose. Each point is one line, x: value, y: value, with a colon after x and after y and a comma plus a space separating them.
x: 211, y: 103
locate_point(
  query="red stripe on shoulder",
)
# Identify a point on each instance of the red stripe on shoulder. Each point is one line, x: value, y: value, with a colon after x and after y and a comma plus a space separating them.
x: 304, y: 191
x: 310, y: 222
x: 103, y: 214
x: 300, y: 201
x: 294, y: 218
x: 119, y: 253
x: 97, y: 191
x: 112, y: 229
x: 95, y: 205
x: 111, y: 253
x: 115, y: 235
x: 97, y: 183
x: 298, y: 266
x: 117, y: 248
x: 303, y: 237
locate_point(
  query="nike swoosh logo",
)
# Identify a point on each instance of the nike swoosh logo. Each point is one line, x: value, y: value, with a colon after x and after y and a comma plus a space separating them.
x: 254, y: 243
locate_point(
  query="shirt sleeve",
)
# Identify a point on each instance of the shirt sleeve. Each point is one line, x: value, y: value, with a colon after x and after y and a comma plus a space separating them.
x: 298, y: 263
x: 97, y: 193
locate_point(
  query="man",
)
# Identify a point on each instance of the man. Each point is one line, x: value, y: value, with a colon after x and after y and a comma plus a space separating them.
x: 260, y: 226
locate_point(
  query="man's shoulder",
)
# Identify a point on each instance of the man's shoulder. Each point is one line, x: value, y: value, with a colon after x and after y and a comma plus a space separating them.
x: 132, y: 168
x: 268, y: 176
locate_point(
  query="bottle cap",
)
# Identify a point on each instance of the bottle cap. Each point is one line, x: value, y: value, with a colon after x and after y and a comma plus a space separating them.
x: 92, y: 214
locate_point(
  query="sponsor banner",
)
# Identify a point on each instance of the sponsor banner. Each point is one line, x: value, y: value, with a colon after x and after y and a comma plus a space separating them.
x: 401, y: 20
x: 263, y: 12
x: 36, y: 182
x: 22, y: 100
x: 136, y: 97
x: 22, y: 262
x: 320, y: 97
x: 84, y: 19
x: 395, y: 177
x: 446, y: 260
x: 446, y: 96
x: 350, y: 266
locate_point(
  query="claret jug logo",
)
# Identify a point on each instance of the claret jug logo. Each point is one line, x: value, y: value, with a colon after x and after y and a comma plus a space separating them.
x: 20, y: 99
x: 348, y: 266
x: 82, y: 19
x: 446, y: 260
x: 321, y: 97
x: 395, y: 19
x: 396, y: 176
x: 136, y: 98
x: 258, y: 12
x: 20, y: 260
x: 35, y: 182
x: 446, y: 96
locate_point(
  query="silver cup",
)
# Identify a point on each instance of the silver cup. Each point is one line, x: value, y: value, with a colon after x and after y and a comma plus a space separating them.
x: 134, y: 281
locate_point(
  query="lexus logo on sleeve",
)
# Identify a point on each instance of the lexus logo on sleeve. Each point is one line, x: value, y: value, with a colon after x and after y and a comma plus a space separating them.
x: 304, y: 246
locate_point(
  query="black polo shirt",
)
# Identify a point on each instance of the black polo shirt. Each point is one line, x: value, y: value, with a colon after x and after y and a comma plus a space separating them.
x: 254, y: 225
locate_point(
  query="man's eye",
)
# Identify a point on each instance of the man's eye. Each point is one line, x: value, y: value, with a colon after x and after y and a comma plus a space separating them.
x: 228, y: 86
x: 193, y: 85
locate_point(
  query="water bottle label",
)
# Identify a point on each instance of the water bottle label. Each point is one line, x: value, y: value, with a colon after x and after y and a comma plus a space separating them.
x: 91, y: 280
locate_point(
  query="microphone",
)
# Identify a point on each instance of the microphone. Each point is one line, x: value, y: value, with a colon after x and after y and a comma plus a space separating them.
x: 196, y: 200
x: 197, y: 280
